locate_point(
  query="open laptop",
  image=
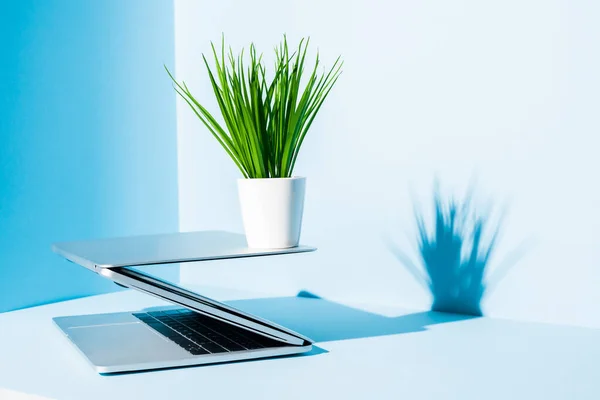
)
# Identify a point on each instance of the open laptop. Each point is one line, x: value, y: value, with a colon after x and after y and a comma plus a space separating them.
x: 196, y: 330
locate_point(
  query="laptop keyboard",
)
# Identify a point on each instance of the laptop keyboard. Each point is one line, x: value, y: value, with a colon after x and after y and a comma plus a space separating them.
x: 199, y: 334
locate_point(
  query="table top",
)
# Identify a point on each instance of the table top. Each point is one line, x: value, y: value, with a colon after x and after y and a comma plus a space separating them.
x: 361, y: 353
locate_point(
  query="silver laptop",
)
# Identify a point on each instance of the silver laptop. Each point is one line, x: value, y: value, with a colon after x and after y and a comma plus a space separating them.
x: 195, y: 330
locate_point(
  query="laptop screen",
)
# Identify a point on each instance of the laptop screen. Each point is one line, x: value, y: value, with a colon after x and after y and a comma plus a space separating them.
x: 161, y: 281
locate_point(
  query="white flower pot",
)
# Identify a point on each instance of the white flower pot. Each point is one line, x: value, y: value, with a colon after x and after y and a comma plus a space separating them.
x: 272, y: 211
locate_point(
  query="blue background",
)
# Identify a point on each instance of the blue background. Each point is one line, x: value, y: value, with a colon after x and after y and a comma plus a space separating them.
x: 87, y: 137
x: 500, y: 96
x: 429, y: 90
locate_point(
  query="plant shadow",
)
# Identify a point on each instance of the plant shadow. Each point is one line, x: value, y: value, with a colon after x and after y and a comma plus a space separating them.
x: 455, y: 254
x: 324, y: 321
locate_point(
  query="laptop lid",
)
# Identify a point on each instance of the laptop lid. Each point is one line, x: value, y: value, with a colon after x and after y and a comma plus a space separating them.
x: 119, y: 260
x: 162, y: 249
x: 136, y: 279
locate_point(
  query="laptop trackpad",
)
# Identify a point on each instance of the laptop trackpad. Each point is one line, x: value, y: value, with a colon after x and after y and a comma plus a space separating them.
x: 123, y: 344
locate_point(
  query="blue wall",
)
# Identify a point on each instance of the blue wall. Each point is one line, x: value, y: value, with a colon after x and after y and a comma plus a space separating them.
x: 87, y: 136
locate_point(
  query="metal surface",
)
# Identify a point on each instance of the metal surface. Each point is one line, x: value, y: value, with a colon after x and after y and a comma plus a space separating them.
x: 163, y: 249
x: 119, y: 342
x: 135, y: 279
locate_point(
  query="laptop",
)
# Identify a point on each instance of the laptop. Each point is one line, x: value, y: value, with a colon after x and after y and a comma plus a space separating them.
x: 195, y: 330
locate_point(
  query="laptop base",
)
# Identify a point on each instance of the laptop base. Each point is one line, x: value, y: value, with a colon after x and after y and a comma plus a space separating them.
x: 124, y: 342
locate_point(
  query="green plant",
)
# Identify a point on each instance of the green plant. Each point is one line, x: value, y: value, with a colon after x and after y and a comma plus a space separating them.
x: 265, y: 119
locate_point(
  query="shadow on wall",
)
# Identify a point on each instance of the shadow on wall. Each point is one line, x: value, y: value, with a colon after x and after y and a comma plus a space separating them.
x: 455, y: 253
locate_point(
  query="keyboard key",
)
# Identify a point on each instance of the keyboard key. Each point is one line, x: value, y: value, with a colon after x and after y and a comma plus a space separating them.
x: 231, y: 346
x: 154, y: 324
x: 143, y: 316
x: 212, y: 335
x: 189, y: 346
x: 180, y: 340
x: 214, y: 348
x: 155, y: 313
x: 243, y: 341
x: 196, y: 351
x: 176, y: 326
x: 225, y: 342
x: 199, y: 334
x: 200, y: 339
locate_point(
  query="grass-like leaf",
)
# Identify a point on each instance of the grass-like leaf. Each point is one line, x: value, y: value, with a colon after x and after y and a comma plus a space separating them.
x: 265, y: 120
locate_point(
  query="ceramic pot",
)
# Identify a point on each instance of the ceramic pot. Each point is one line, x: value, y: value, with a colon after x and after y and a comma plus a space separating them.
x: 272, y: 211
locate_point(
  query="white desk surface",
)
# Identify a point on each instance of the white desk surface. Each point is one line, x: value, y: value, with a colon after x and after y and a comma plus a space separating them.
x: 362, y: 354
